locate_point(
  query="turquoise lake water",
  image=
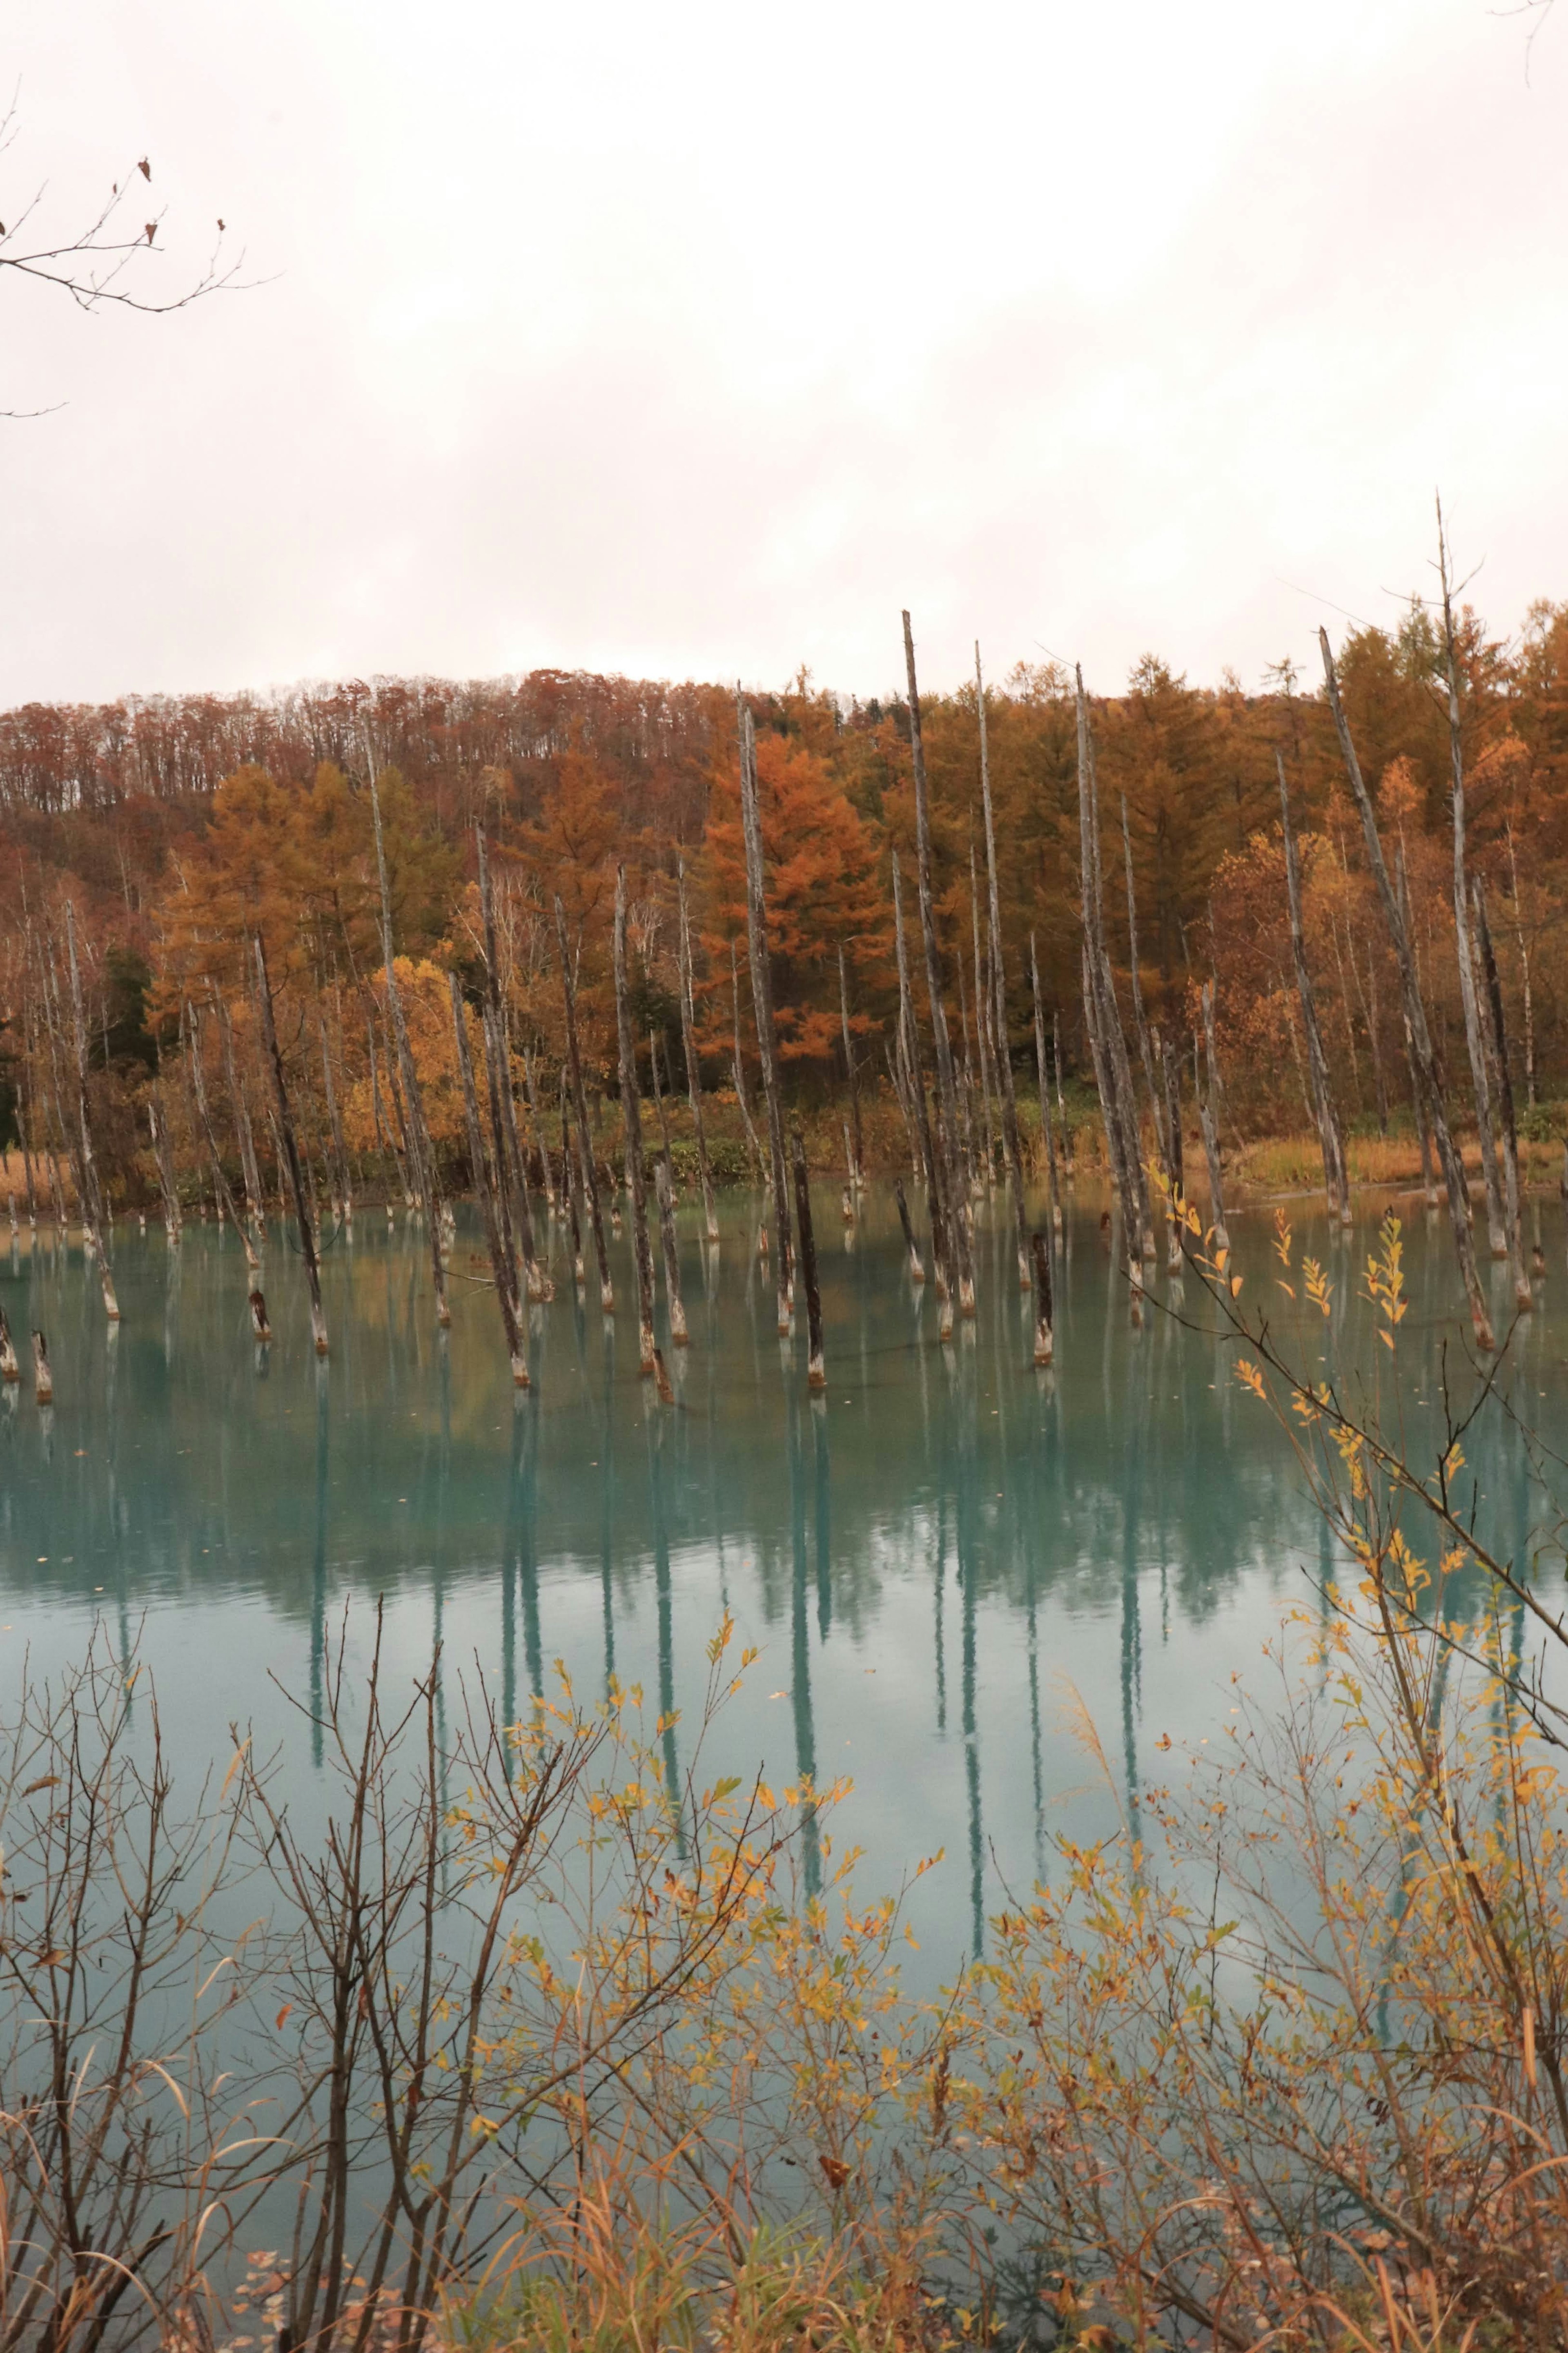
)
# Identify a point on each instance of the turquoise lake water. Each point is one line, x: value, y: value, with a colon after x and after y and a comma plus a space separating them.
x: 936, y: 1562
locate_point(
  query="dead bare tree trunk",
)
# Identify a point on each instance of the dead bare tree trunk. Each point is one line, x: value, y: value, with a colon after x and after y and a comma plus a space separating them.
x: 935, y: 1172
x: 669, y: 1244
x: 290, y: 1148
x: 1497, y: 1231
x: 335, y: 1129
x: 631, y: 1114
x: 1045, y: 1333
x: 1524, y: 976
x: 503, y: 1266
x: 1336, y: 1179
x: 858, y: 1157
x: 917, y: 1264
x: 1010, y: 1138
x: 254, y: 1204
x: 1497, y: 1027
x: 754, y: 1149
x: 763, y: 1001
x: 693, y: 1070
x: 1102, y: 1018
x: 1043, y: 1077
x: 954, y: 1205
x: 91, y: 1198
x: 1139, y: 1019
x: 580, y: 1098
x: 1425, y: 1061
x: 166, y: 1185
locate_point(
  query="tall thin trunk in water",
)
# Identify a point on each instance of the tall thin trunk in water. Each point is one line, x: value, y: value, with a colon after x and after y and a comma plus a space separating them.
x: 1043, y: 1075
x: 1497, y: 1036
x: 1101, y: 1018
x: 631, y: 1116
x: 1207, y: 1125
x: 165, y: 1166
x: 815, y: 1364
x: 422, y: 1157
x: 914, y: 1078
x: 1336, y: 1179
x: 580, y: 1098
x: 503, y: 1266
x: 947, y: 1091
x: 1425, y: 1059
x: 753, y: 1149
x: 254, y: 1203
x: 91, y: 1198
x: 1418, y: 1096
x: 226, y: 1202
x: 1496, y: 1232
x: 850, y: 1071
x: 982, y: 1025
x: 693, y: 1073
x: 763, y: 1001
x: 1524, y: 976
x: 1010, y: 1139
x: 1139, y: 1019
x: 290, y: 1148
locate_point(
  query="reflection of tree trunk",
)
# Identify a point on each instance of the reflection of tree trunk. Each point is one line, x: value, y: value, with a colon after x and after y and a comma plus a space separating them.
x: 1415, y: 1015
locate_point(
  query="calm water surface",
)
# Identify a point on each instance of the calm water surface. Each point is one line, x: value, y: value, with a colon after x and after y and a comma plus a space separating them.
x: 932, y: 1564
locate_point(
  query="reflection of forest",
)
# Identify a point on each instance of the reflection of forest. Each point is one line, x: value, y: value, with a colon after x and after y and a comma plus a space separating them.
x: 178, y: 1462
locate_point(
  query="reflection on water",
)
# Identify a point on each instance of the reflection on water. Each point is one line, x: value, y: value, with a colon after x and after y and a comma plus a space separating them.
x: 952, y: 1563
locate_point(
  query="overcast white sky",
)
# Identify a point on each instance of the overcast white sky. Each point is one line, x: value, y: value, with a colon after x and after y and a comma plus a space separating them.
x: 693, y: 340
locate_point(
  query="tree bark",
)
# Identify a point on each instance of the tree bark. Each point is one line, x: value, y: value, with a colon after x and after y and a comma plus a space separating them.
x: 503, y: 1266
x: 953, y: 1202
x: 762, y: 1000
x: 580, y: 1098
x: 858, y: 1167
x: 1043, y: 1080
x: 1336, y: 1181
x: 665, y: 1188
x: 1010, y: 1138
x: 631, y: 1114
x: 91, y: 1198
x: 693, y: 1069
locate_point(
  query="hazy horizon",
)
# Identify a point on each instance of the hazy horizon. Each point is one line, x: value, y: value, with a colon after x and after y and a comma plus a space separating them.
x: 681, y: 349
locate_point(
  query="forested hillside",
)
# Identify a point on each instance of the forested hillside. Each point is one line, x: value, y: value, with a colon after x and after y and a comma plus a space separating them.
x: 176, y: 827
